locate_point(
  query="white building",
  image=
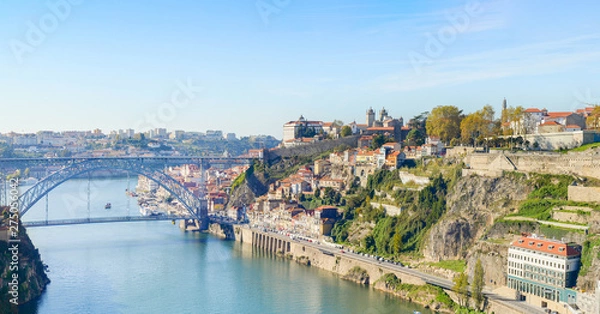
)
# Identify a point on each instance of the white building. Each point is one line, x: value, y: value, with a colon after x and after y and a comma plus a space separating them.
x: 301, y: 128
x: 542, y: 270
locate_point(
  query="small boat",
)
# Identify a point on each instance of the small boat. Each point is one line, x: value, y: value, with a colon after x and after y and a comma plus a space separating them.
x: 107, y: 206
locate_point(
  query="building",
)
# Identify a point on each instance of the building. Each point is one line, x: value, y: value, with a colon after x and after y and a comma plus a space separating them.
x: 176, y: 135
x: 214, y: 135
x: 542, y: 270
x: 385, y: 124
x: 301, y: 128
x: 550, y: 127
x: 565, y: 118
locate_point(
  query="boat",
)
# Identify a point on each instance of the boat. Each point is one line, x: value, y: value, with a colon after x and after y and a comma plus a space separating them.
x: 107, y: 206
x: 416, y: 312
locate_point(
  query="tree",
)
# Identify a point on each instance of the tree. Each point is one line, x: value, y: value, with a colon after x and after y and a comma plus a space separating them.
x: 461, y: 287
x: 478, y: 125
x: 396, y: 244
x: 378, y: 140
x: 415, y: 138
x: 477, y: 286
x: 593, y: 120
x: 346, y: 131
x: 516, y: 117
x: 444, y: 122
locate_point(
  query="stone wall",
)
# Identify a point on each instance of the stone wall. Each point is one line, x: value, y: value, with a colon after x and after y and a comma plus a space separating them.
x: 409, y: 177
x: 584, y: 194
x: 390, y: 210
x: 554, y: 141
x: 589, y: 302
x: 578, y: 163
x: 459, y: 151
x: 311, y: 149
x: 335, y: 261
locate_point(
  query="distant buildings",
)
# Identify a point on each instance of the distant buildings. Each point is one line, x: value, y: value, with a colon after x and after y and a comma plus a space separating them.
x: 536, y: 121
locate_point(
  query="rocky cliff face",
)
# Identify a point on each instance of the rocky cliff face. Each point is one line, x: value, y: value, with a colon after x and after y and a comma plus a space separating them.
x: 247, y: 192
x: 493, y: 257
x: 30, y: 276
x: 472, y: 206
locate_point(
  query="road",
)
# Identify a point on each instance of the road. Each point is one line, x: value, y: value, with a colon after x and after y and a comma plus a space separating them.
x: 430, y: 279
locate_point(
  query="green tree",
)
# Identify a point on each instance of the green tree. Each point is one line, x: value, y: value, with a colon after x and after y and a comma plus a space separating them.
x: 477, y: 286
x: 378, y: 140
x: 346, y: 131
x: 415, y: 137
x: 461, y: 287
x: 444, y: 122
x: 593, y: 120
x: 396, y: 244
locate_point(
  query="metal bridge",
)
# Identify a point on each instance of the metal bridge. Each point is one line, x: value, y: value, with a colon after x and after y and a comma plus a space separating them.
x: 80, y: 221
x: 150, y: 167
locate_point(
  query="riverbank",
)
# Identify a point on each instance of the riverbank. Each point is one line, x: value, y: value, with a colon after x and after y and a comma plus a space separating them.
x: 362, y: 271
x: 410, y: 285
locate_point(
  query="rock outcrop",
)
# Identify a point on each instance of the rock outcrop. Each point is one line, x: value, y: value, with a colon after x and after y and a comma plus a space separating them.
x: 32, y: 279
x: 358, y: 275
x: 472, y: 206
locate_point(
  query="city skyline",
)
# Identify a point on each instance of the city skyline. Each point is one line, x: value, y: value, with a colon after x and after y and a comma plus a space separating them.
x: 248, y: 68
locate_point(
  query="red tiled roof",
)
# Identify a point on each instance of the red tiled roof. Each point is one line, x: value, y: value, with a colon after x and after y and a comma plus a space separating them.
x: 572, y: 126
x: 325, y: 207
x: 381, y: 129
x: 547, y: 246
x: 533, y: 110
x: 559, y: 114
x: 549, y: 123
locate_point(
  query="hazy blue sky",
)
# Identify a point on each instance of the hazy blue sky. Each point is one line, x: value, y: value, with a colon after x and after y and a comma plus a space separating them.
x: 115, y: 64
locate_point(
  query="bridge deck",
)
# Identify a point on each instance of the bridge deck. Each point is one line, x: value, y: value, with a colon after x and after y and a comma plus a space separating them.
x: 80, y: 221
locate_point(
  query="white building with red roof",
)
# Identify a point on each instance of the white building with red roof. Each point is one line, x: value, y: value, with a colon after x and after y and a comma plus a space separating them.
x: 543, y: 270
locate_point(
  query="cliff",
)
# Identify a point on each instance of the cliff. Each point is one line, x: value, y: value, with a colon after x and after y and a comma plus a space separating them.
x: 473, y: 205
x: 29, y: 276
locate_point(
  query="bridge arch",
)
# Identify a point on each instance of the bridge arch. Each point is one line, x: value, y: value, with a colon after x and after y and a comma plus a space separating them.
x: 137, y: 166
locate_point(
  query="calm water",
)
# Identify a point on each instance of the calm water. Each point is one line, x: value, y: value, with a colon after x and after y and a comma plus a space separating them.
x: 153, y: 267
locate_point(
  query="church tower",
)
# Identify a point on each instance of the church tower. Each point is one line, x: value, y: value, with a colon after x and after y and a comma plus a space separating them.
x: 383, y: 114
x: 370, y: 117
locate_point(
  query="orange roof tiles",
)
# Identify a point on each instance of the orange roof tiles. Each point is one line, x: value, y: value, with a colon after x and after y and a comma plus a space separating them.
x: 572, y: 126
x: 381, y: 129
x: 533, y: 110
x: 550, y: 123
x: 547, y: 246
x: 559, y: 114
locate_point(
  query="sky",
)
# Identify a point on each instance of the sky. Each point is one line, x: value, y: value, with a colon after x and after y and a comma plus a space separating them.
x: 248, y: 66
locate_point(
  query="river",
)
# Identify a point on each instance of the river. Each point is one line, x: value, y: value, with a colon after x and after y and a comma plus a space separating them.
x: 154, y: 267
